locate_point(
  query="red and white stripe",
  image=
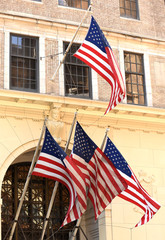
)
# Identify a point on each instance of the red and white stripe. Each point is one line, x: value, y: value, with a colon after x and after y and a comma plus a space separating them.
x: 102, y: 179
x: 106, y: 66
x: 136, y: 194
x: 51, y: 167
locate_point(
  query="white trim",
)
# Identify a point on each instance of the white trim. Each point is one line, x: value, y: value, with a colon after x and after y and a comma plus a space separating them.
x: 61, y: 70
x: 147, y: 78
x: 42, y: 84
x: 121, y: 66
x: 6, y: 59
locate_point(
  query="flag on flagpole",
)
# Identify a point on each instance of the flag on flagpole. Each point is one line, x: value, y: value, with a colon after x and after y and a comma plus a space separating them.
x: 102, y: 179
x: 97, y: 53
x: 54, y: 163
x: 135, y: 193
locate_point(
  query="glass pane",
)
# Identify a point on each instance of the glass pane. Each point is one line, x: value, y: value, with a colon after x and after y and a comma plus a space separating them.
x: 122, y: 11
x: 14, y: 82
x: 14, y: 50
x: 84, y: 4
x: 128, y: 12
x: 129, y: 88
x: 26, y: 83
x: 133, y: 67
x: 126, y: 57
x: 20, y: 62
x: 134, y: 14
x: 27, y: 52
x: 127, y: 67
x: 139, y: 68
x: 14, y: 71
x: 122, y: 3
x: 128, y: 78
x: 20, y: 83
x: 141, y: 89
x: 135, y: 99
x: 139, y: 59
x: 132, y: 58
x: 33, y: 52
x: 134, y: 78
x: 127, y: 5
x: 20, y: 72
x: 77, y: 3
x: 134, y: 88
x: 140, y: 80
x: 141, y: 100
x: 27, y: 42
x: 14, y: 61
x: 133, y: 6
x: 14, y: 40
x: 129, y: 98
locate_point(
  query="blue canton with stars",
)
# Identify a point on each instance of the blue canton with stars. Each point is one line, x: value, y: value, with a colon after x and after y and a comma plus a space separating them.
x: 115, y: 156
x: 51, y: 147
x: 96, y: 36
x: 83, y: 145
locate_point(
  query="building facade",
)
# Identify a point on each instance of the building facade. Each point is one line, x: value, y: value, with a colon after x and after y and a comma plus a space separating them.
x: 34, y: 35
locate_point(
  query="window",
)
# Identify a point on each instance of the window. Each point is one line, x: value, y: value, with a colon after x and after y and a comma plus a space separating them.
x: 82, y: 4
x: 24, y: 63
x: 77, y: 75
x: 134, y: 75
x: 129, y: 8
x: 35, y: 205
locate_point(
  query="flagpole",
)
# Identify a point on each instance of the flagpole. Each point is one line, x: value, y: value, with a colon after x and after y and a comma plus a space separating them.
x: 27, y: 182
x: 73, y: 236
x: 57, y: 183
x: 70, y: 44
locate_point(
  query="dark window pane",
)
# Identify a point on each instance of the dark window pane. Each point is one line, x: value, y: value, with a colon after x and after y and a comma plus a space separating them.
x: 128, y: 8
x: 83, y: 4
x: 76, y: 75
x: 134, y: 77
x: 24, y: 62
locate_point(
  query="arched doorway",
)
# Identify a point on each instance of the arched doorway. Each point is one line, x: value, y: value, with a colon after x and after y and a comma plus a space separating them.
x: 35, y: 205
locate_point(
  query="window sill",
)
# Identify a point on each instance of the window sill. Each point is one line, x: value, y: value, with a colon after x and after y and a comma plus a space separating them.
x: 130, y: 19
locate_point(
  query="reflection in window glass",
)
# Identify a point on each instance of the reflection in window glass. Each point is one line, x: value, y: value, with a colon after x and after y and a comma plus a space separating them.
x: 129, y: 8
x: 77, y: 75
x: 134, y: 76
x: 82, y: 4
x: 24, y: 63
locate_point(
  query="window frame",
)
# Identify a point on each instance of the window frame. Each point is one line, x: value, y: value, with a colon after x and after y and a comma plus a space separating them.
x: 137, y: 74
x: 36, y: 90
x: 73, y: 1
x: 65, y: 44
x: 130, y: 16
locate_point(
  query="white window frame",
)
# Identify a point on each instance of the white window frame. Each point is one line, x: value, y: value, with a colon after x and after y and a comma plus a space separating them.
x: 42, y: 88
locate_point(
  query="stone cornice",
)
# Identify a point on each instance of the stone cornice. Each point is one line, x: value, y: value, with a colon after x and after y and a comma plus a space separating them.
x: 37, y: 106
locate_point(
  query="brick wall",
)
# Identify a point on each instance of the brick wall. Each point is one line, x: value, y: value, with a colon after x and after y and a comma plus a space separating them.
x: 1, y: 60
x: 157, y: 68
x: 51, y: 64
x: 151, y: 23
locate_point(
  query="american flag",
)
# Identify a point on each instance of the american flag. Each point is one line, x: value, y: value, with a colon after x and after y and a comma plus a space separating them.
x: 135, y: 193
x: 97, y: 53
x: 55, y: 164
x: 102, y: 179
